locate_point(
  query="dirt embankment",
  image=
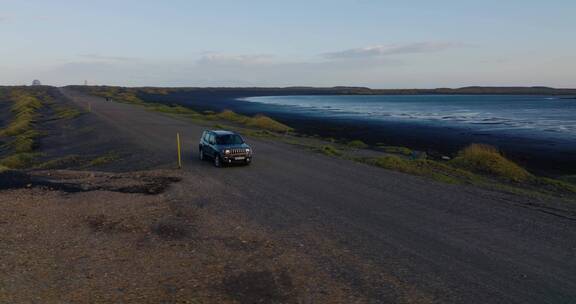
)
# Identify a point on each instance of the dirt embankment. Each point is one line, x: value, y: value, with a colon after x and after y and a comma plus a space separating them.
x: 86, y: 237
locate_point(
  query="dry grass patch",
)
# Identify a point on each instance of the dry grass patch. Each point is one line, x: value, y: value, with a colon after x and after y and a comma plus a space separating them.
x: 102, y: 160
x: 330, y: 151
x: 357, y: 144
x: 24, y: 142
x: 62, y: 162
x: 261, y: 122
x: 422, y: 167
x: 396, y: 150
x: 18, y: 161
x: 267, y: 123
x: 231, y: 116
x: 65, y: 112
x: 488, y: 160
x: 171, y: 109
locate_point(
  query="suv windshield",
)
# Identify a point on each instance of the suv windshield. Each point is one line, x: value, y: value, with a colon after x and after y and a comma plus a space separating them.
x: 231, y: 139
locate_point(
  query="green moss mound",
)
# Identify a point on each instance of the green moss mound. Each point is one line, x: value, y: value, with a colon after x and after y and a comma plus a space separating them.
x: 231, y: 116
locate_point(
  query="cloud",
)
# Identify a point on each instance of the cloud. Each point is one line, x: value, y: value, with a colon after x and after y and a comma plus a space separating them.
x: 99, y: 57
x: 253, y: 62
x: 25, y: 19
x: 379, y: 51
x: 229, y: 69
x: 217, y: 59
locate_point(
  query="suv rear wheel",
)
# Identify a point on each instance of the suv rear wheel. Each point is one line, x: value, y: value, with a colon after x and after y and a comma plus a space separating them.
x: 201, y: 154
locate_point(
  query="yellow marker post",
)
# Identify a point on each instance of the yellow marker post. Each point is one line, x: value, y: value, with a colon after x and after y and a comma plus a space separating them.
x: 179, y: 150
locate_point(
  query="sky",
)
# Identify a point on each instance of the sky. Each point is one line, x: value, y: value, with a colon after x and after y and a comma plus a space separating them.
x: 372, y: 43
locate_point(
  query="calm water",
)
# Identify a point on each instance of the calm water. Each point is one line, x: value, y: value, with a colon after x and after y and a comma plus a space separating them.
x: 531, y: 116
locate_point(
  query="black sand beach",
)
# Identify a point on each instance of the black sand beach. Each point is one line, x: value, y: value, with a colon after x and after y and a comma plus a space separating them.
x: 540, y: 156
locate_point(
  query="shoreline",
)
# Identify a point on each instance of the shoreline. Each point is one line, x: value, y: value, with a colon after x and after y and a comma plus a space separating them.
x: 537, y: 155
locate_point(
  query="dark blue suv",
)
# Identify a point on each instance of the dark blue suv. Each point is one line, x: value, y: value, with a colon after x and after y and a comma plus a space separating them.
x: 224, y: 147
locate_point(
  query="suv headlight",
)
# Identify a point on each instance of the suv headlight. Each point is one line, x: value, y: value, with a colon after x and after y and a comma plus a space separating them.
x: 247, y: 150
x: 226, y: 151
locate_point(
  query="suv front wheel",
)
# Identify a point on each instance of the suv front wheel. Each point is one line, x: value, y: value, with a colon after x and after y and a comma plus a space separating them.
x: 217, y: 161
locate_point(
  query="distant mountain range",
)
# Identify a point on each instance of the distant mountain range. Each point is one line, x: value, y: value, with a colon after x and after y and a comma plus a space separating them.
x: 367, y: 91
x: 477, y: 90
x: 342, y: 90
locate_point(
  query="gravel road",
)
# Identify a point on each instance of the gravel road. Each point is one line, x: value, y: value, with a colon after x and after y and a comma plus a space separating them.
x: 393, y: 237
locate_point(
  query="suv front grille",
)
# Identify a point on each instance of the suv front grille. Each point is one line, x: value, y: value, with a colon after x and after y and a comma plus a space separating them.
x: 237, y: 151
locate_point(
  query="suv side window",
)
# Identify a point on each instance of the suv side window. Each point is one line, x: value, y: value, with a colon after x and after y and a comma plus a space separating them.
x: 211, y: 139
x: 205, y: 137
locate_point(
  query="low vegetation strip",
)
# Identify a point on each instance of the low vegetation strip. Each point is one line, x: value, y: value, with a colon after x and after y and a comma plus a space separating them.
x: 477, y: 164
x: 20, y: 132
x: 25, y: 110
x: 260, y: 122
x: 480, y: 165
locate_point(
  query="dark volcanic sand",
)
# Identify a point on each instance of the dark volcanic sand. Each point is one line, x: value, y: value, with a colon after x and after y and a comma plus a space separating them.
x: 538, y: 155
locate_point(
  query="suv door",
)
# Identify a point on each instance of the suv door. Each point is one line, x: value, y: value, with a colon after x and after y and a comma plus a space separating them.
x: 212, y: 145
x: 202, y: 142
